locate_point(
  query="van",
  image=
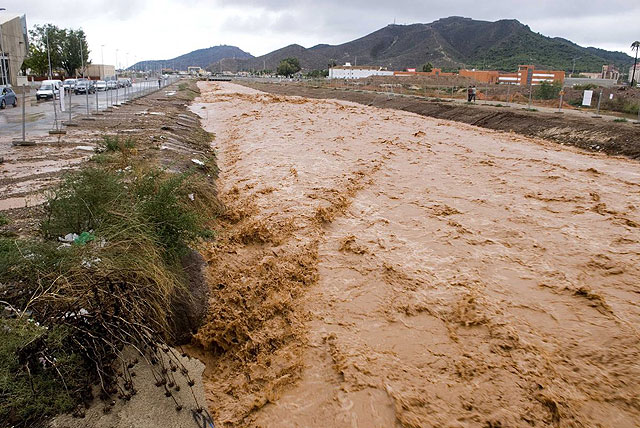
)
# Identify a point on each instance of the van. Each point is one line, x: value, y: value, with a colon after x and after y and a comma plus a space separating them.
x: 47, y: 89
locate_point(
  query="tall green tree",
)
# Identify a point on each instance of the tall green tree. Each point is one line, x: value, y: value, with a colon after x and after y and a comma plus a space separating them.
x: 63, y: 45
x: 634, y: 46
x: 427, y: 67
x: 37, y: 60
x: 75, y: 51
x: 288, y: 67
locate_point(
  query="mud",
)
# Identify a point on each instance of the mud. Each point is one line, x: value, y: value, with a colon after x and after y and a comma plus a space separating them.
x: 379, y: 268
x: 583, y: 131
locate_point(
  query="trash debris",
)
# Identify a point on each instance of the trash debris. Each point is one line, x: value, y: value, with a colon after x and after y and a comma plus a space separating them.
x: 91, y: 262
x: 74, y: 238
x: 69, y: 237
x: 192, y: 196
x: 84, y: 238
x: 86, y: 148
x: 197, y: 162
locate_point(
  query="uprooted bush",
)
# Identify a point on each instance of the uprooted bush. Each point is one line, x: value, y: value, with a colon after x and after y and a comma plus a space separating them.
x: 88, y: 298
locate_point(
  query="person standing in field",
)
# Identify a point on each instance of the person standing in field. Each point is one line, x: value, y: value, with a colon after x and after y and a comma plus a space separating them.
x: 473, y: 93
x: 469, y: 94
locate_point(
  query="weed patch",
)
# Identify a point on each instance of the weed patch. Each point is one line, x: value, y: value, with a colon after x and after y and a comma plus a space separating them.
x: 88, y: 300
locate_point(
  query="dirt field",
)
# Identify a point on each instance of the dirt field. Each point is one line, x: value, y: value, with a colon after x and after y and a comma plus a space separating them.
x: 380, y: 268
x: 583, y: 131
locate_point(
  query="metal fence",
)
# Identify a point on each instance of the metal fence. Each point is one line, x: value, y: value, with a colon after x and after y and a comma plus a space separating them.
x: 66, y: 107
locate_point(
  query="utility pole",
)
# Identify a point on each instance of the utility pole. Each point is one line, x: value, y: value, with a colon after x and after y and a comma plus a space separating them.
x: 573, y: 70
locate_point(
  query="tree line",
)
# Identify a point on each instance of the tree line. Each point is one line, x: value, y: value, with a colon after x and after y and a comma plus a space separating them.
x: 67, y: 48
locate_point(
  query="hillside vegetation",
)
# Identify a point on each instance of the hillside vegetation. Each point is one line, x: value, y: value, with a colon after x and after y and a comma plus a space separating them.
x: 448, y: 43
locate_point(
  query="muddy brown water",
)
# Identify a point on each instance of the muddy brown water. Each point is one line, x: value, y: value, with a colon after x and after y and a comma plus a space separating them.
x: 379, y: 268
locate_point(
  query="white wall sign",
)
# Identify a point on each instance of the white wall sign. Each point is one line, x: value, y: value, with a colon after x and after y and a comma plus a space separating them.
x: 586, y: 98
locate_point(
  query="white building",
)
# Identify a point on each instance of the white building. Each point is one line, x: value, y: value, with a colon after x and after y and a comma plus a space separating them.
x: 637, y: 75
x: 348, y: 71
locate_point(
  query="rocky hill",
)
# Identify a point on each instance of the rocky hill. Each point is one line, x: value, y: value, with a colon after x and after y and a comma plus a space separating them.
x: 198, y: 58
x: 448, y: 43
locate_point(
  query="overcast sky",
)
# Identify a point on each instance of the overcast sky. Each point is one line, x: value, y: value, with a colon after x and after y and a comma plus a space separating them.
x: 163, y: 29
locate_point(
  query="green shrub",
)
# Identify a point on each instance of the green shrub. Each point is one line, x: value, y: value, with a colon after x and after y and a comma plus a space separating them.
x: 40, y: 375
x: 160, y: 202
x: 111, y: 143
x: 548, y: 91
x: 85, y: 201
x: 109, y: 203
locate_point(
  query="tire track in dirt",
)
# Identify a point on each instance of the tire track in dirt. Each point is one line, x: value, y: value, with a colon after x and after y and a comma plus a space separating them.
x: 382, y: 269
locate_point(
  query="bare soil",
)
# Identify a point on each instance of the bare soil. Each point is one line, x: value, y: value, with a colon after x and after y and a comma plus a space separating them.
x: 380, y: 268
x: 587, y: 133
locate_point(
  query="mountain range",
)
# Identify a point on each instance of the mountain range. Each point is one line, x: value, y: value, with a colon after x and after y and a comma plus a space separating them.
x: 448, y: 43
x: 198, y: 58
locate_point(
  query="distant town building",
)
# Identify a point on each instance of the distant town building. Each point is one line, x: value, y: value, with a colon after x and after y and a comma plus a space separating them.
x: 348, y: 71
x: 481, y: 76
x: 631, y: 73
x: 14, y: 46
x: 433, y: 72
x: 610, y: 72
x: 591, y: 75
x: 527, y: 74
x: 195, y: 71
x: 99, y: 71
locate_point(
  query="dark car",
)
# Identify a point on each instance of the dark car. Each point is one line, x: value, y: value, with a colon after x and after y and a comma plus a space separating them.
x: 8, y: 97
x: 84, y: 86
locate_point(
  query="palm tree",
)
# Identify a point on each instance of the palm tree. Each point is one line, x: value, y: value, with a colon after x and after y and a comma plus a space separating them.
x: 634, y: 47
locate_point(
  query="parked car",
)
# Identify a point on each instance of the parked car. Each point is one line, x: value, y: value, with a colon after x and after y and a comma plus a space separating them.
x: 7, y: 96
x: 83, y: 86
x: 124, y: 82
x: 112, y: 84
x: 69, y: 84
x: 101, y: 85
x: 48, y: 88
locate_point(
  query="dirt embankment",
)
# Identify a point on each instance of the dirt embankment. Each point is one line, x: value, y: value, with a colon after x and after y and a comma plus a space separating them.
x: 151, y: 132
x: 587, y: 133
x: 381, y: 269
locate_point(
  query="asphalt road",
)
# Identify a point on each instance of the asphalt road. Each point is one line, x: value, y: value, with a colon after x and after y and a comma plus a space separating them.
x: 39, y: 115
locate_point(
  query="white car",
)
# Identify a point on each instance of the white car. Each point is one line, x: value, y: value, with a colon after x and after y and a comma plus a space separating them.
x: 48, y: 88
x: 101, y: 85
x: 69, y: 84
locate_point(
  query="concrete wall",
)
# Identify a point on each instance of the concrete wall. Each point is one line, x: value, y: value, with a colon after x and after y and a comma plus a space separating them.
x: 571, y: 81
x: 356, y: 73
x: 481, y: 76
x: 14, y: 44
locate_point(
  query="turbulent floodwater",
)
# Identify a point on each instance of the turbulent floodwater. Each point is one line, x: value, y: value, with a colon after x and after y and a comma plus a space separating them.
x: 377, y: 269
